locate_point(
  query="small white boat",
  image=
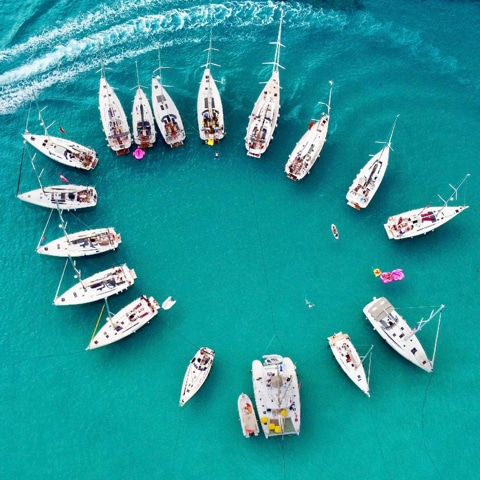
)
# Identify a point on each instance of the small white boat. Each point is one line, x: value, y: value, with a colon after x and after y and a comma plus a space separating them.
x: 143, y: 122
x: 390, y: 325
x: 81, y: 244
x: 308, y: 148
x: 335, y: 232
x: 128, y: 320
x: 210, y: 118
x: 370, y: 177
x: 97, y: 287
x: 166, y: 113
x: 422, y: 220
x: 263, y: 119
x: 61, y: 150
x: 347, y: 357
x: 196, y: 374
x: 114, y: 120
x: 277, y: 395
x: 248, y: 419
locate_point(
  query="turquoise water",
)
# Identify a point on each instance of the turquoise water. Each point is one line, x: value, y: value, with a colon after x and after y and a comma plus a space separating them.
x: 239, y: 246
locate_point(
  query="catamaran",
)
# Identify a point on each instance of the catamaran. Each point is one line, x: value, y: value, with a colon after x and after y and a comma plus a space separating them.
x: 248, y: 419
x: 351, y: 362
x: 277, y: 395
x: 370, y: 177
x: 97, y: 287
x: 263, y: 119
x: 308, y: 148
x: 114, y: 120
x: 128, y: 320
x: 63, y: 197
x: 166, y: 113
x: 209, y: 105
x: 144, y: 133
x: 423, y: 220
x: 79, y: 244
x: 196, y: 374
x: 395, y: 331
x: 61, y: 150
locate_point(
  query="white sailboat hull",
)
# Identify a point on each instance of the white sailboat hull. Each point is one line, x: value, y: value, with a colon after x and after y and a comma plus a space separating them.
x: 277, y: 396
x: 63, y: 151
x: 263, y: 119
x: 196, y: 374
x: 143, y: 123
x: 420, y: 221
x: 65, y: 197
x: 127, y: 321
x: 210, y: 110
x: 167, y: 116
x: 368, y: 180
x: 347, y: 357
x: 98, y: 287
x: 395, y: 331
x: 114, y: 120
x: 307, y: 150
x: 82, y: 244
x: 248, y: 419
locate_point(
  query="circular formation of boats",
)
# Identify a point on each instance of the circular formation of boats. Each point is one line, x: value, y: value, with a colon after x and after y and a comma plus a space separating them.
x: 274, y: 379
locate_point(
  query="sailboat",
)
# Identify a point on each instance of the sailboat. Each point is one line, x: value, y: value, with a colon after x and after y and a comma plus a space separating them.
x: 248, y: 419
x: 423, y: 220
x: 308, y: 148
x: 61, y: 150
x: 128, y: 320
x: 351, y: 362
x: 114, y: 120
x: 196, y: 374
x: 143, y: 122
x: 166, y: 113
x: 97, y: 287
x: 63, y: 197
x: 263, y: 119
x: 209, y: 105
x: 370, y: 177
x: 391, y: 326
x: 277, y: 395
x: 79, y: 244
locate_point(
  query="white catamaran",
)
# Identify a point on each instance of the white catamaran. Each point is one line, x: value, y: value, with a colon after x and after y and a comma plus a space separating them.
x: 61, y: 150
x: 196, y: 374
x: 114, y: 120
x: 263, y: 119
x: 143, y: 122
x: 351, y: 362
x: 210, y: 118
x: 423, y: 220
x: 166, y: 113
x: 308, y: 148
x: 79, y: 244
x: 63, y: 197
x: 277, y: 395
x: 97, y: 287
x: 128, y: 320
x: 370, y: 177
x: 395, y: 331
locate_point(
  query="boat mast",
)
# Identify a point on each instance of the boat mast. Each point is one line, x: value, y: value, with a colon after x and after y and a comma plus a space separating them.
x: 63, y: 224
x: 455, y: 192
x: 329, y: 98
x: 276, y: 59
x: 423, y: 322
x: 159, y: 69
x: 207, y: 66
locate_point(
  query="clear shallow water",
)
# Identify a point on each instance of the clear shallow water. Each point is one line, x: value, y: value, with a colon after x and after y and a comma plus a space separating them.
x: 240, y: 247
